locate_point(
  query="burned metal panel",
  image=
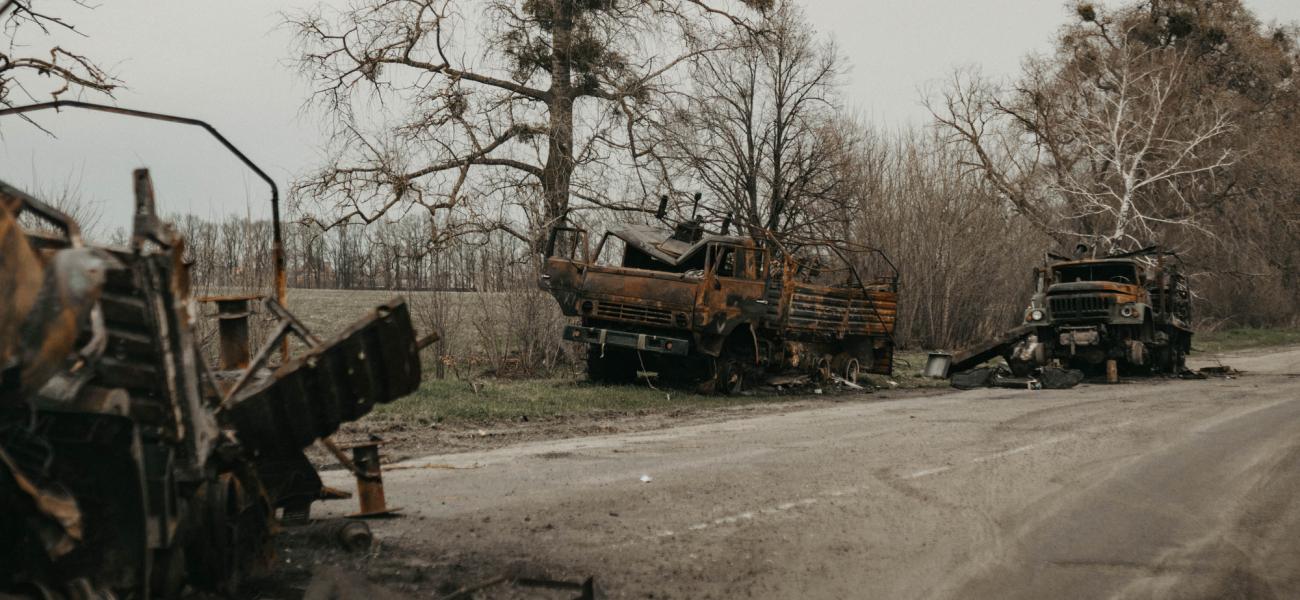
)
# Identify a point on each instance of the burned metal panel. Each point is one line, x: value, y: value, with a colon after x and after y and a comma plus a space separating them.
x: 816, y: 310
x: 374, y: 361
x: 21, y: 275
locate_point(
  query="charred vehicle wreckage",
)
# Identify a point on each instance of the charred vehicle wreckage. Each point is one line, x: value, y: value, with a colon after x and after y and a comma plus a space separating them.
x: 717, y: 310
x: 1129, y: 312
x: 129, y: 467
x: 1123, y: 313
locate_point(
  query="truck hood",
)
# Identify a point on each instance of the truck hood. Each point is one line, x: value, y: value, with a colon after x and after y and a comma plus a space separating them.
x: 637, y: 286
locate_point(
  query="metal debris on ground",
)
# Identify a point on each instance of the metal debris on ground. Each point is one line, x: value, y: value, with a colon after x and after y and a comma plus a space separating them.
x: 1051, y: 378
x: 1223, y: 371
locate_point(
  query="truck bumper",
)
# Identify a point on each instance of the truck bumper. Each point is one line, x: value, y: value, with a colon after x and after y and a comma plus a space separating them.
x: 626, y: 339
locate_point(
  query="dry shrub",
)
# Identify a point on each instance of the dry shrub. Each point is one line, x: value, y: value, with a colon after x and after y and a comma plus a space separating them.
x: 513, y: 332
x: 519, y: 331
x: 443, y: 313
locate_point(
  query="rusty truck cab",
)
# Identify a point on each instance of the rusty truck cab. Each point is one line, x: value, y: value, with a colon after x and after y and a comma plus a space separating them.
x: 1118, y: 308
x: 640, y: 289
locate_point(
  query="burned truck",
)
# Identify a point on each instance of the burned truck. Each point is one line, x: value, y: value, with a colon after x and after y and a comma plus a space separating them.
x: 716, y: 310
x: 130, y: 467
x: 1125, y: 312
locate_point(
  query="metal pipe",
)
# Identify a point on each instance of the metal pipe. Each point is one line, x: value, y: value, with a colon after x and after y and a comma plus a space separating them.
x: 370, y: 481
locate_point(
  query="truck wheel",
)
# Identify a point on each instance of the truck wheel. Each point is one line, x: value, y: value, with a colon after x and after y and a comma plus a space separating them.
x: 823, y: 368
x: 1162, y: 360
x: 731, y: 377
x: 851, y: 370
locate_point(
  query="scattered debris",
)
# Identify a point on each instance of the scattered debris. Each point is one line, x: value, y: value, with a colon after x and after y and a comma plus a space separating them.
x: 1054, y: 378
x: 846, y: 383
x: 353, y: 536
x: 1051, y: 378
x: 1223, y: 371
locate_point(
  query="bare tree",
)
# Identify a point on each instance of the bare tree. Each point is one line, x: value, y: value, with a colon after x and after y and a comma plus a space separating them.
x: 559, y: 87
x: 22, y: 63
x: 758, y: 128
x: 1105, y: 143
x: 963, y: 258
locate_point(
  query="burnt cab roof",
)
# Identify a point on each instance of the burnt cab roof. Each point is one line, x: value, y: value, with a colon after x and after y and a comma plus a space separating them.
x: 659, y: 243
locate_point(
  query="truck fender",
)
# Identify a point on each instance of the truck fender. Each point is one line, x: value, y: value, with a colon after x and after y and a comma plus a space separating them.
x: 711, y: 343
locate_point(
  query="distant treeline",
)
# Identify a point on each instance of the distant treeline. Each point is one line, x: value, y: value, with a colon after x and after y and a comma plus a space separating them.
x: 236, y: 253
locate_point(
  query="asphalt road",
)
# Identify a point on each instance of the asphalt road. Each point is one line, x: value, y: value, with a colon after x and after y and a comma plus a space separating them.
x: 1169, y: 489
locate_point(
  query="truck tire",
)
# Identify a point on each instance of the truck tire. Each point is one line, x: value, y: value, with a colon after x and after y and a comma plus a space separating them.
x: 851, y: 370
x: 730, y: 377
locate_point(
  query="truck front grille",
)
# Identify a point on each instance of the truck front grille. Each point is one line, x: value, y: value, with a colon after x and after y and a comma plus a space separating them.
x: 632, y: 312
x: 1081, y: 307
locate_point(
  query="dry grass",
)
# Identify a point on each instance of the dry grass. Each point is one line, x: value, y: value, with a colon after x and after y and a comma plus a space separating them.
x: 537, y: 399
x: 327, y: 312
x: 1225, y: 340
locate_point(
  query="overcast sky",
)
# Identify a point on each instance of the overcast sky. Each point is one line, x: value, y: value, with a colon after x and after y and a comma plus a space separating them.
x: 228, y: 63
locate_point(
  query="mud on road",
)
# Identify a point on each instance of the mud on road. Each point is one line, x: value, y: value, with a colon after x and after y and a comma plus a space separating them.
x: 1148, y: 489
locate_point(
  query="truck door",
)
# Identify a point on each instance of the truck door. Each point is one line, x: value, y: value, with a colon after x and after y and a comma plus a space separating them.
x: 732, y: 290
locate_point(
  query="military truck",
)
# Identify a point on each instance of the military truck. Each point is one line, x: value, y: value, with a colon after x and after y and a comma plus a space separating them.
x: 1121, y: 312
x: 716, y: 310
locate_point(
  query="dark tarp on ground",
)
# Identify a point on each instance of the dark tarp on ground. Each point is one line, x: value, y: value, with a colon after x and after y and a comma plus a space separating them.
x: 1050, y: 378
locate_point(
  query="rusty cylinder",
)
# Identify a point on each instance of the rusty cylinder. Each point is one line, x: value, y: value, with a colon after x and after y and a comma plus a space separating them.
x: 370, y: 479
x: 232, y: 327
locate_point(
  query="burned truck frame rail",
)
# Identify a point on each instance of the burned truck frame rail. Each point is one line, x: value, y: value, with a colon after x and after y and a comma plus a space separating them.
x: 718, y: 309
x: 127, y: 465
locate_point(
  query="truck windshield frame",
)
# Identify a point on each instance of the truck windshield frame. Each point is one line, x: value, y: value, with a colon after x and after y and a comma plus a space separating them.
x: 1124, y: 273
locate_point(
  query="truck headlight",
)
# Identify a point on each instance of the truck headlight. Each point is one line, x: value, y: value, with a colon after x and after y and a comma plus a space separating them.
x: 1128, y: 311
x: 1036, y: 314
